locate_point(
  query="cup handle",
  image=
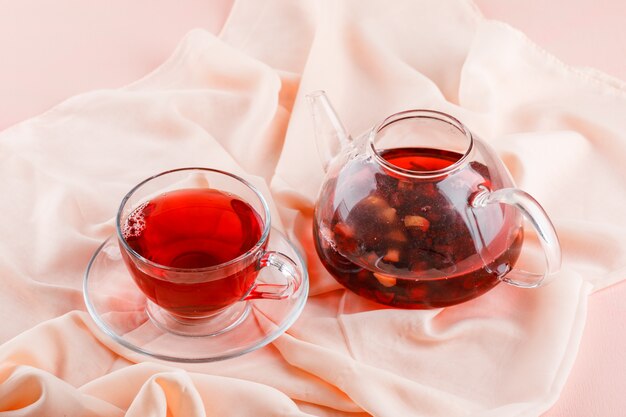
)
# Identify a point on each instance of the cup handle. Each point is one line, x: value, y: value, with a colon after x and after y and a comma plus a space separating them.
x: 538, y: 218
x: 287, y: 267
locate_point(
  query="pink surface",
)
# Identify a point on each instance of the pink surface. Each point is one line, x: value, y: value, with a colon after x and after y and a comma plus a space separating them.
x: 580, y: 32
x: 53, y: 51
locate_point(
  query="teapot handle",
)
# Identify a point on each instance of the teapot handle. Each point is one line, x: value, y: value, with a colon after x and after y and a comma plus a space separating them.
x: 540, y: 221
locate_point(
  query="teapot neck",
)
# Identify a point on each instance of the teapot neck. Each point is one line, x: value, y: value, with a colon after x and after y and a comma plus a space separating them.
x: 426, y: 130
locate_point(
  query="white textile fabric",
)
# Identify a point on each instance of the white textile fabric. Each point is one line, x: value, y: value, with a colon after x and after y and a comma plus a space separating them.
x: 236, y: 102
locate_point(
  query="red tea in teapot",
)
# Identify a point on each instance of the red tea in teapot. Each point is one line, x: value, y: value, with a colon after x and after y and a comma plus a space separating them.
x: 409, y: 242
x: 419, y: 212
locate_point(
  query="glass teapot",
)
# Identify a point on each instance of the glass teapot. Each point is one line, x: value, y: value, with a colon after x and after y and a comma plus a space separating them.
x: 420, y: 213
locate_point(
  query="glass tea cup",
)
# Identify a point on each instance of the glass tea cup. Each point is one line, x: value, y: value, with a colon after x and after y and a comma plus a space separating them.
x: 194, y: 241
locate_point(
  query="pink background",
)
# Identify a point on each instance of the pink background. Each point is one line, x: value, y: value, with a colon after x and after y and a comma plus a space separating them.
x: 53, y: 50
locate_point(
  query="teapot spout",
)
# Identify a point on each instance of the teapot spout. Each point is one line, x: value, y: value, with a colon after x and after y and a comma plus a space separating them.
x: 330, y: 135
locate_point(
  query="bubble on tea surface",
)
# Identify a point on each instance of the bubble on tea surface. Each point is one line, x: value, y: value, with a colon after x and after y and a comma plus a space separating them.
x: 136, y: 222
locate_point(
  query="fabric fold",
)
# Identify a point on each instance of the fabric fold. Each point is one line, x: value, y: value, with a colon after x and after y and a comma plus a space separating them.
x: 236, y: 102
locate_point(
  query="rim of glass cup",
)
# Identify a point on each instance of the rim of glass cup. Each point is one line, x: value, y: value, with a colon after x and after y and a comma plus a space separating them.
x: 423, y: 114
x: 254, y: 249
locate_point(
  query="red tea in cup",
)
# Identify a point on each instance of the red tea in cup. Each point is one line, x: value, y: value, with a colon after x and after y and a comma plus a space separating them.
x: 194, y: 229
x: 194, y: 241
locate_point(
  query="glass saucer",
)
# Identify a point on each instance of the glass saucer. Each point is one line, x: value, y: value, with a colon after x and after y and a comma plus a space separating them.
x: 122, y: 311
